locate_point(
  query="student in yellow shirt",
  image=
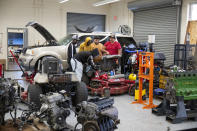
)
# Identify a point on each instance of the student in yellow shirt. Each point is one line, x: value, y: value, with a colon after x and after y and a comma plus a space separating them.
x: 100, y: 47
x: 86, y: 45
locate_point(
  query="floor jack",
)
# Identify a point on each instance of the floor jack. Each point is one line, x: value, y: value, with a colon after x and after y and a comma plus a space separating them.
x: 1, y: 71
x: 28, y: 78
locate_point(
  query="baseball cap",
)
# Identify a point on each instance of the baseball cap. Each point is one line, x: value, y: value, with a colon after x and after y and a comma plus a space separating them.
x: 75, y: 37
x: 96, y: 37
x: 112, y: 36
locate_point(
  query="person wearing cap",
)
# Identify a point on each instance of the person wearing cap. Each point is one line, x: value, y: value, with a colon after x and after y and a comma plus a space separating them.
x: 72, y: 50
x: 112, y: 46
x: 100, y: 47
x: 86, y: 45
x: 87, y: 57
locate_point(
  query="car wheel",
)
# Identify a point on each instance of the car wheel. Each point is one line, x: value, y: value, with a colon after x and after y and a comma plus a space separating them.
x: 81, y: 93
x: 34, y: 91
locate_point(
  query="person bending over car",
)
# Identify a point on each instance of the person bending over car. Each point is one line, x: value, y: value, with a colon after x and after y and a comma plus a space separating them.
x: 81, y: 59
x: 112, y: 46
x: 86, y: 45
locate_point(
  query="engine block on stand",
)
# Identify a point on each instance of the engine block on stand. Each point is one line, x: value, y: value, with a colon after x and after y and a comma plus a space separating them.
x: 181, y: 89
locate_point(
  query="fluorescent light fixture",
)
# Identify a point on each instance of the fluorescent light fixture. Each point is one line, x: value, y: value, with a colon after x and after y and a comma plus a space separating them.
x: 104, y: 2
x: 62, y: 1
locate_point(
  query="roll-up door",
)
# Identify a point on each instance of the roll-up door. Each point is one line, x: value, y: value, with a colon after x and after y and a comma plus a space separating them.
x: 161, y: 22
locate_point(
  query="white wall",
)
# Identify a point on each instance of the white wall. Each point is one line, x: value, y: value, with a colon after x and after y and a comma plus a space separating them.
x: 124, y: 15
x: 184, y: 19
x: 49, y: 13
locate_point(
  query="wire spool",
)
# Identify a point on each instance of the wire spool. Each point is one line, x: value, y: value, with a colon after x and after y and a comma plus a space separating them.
x: 124, y: 29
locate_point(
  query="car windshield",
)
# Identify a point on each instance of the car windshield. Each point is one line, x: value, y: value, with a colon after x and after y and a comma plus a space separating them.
x: 66, y: 40
x: 126, y: 41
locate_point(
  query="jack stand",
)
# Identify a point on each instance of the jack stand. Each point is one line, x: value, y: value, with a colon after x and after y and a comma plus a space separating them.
x: 180, y: 115
x: 163, y: 108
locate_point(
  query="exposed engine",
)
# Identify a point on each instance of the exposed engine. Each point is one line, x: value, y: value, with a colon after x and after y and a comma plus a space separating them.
x: 97, y: 114
x: 55, y: 109
x: 7, y: 97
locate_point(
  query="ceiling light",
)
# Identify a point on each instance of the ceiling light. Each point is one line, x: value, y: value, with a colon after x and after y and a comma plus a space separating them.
x: 104, y: 2
x: 62, y: 1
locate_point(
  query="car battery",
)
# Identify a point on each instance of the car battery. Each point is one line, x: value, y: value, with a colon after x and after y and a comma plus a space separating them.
x: 51, y: 65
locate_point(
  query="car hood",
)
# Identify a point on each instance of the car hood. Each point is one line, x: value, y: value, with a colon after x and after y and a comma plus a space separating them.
x: 49, y: 38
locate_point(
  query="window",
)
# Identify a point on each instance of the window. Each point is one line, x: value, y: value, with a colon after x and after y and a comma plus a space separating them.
x: 66, y: 40
x: 103, y: 39
x: 192, y: 12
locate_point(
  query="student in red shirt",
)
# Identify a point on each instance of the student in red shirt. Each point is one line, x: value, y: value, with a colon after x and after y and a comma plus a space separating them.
x: 112, y: 46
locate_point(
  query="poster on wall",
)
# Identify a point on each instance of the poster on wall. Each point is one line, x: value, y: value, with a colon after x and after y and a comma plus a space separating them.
x: 1, y: 42
x: 15, y: 39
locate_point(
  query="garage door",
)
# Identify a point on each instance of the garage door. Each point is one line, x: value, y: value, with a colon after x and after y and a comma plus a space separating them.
x: 83, y: 21
x: 161, y: 22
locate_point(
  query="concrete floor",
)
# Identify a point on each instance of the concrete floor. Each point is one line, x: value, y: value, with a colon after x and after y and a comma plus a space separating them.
x: 13, y: 66
x: 132, y: 116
